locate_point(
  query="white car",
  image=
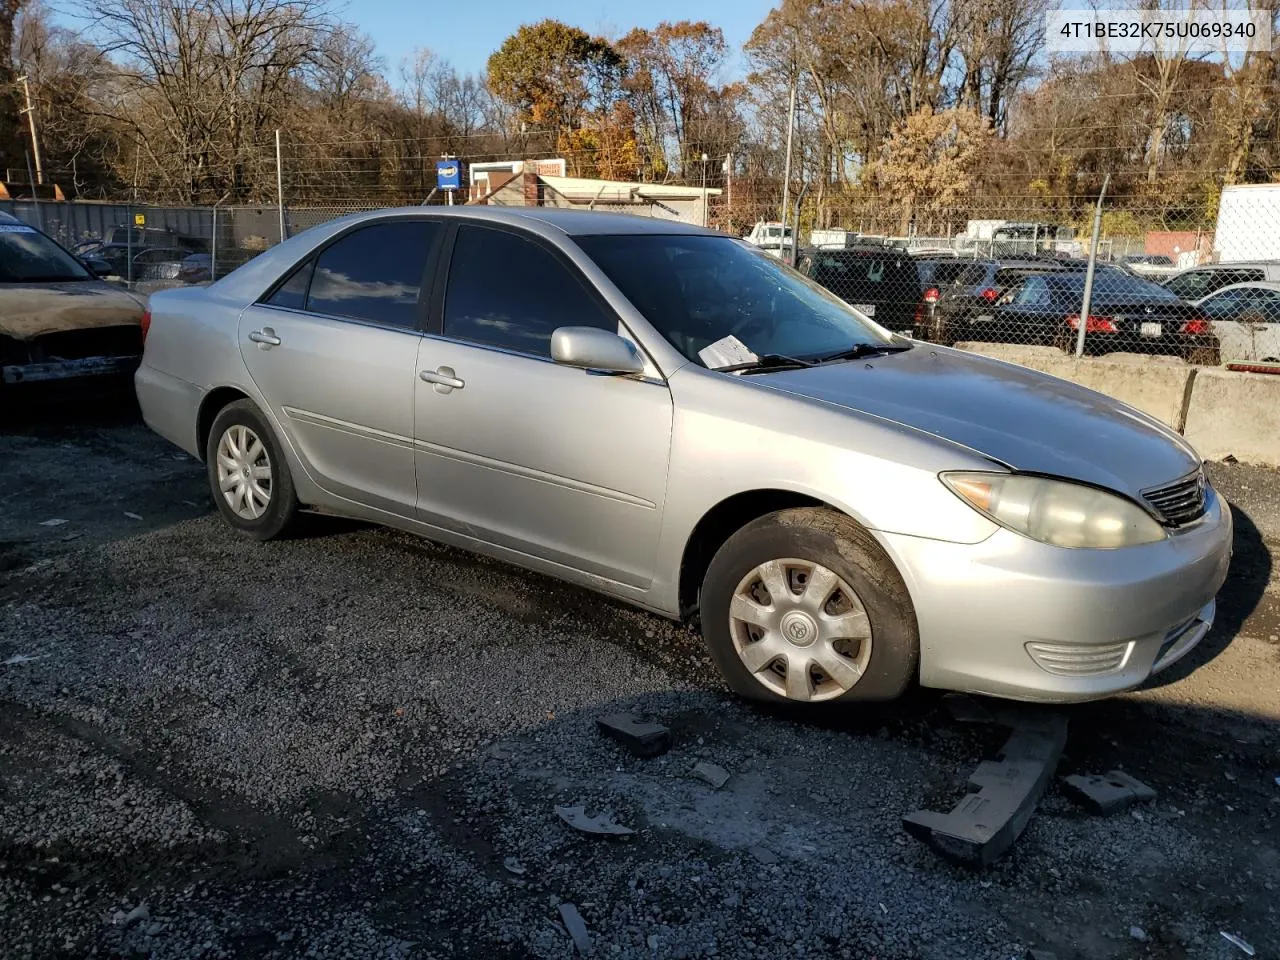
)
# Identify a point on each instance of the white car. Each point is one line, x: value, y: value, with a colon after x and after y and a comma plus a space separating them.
x: 1246, y: 320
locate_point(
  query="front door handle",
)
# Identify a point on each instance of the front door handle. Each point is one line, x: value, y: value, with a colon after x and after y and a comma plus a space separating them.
x: 266, y: 336
x: 444, y: 379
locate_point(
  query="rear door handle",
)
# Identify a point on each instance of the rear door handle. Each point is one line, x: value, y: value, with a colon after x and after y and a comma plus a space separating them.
x: 444, y: 379
x: 266, y: 336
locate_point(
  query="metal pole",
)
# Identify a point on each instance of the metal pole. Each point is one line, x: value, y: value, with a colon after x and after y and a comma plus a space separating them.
x: 35, y: 195
x: 280, y: 185
x: 786, y: 166
x: 728, y: 190
x: 213, y: 247
x: 1087, y: 301
x: 30, y: 111
x: 704, y: 189
x: 795, y: 231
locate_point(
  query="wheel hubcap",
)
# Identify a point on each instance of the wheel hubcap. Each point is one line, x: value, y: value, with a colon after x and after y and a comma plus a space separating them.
x: 800, y: 629
x: 244, y: 472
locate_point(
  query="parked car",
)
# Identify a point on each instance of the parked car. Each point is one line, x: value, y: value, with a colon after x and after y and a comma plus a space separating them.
x: 1149, y: 266
x: 1246, y: 320
x: 149, y: 263
x: 898, y: 289
x: 196, y: 268
x: 669, y: 417
x: 57, y: 320
x: 964, y: 311
x: 1198, y: 282
x: 1127, y: 314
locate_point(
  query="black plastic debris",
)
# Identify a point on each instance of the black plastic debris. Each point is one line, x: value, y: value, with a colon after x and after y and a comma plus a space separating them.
x: 982, y: 826
x: 1108, y: 793
x: 577, y: 818
x: 967, y: 709
x: 642, y: 737
x: 577, y: 928
x: 711, y: 774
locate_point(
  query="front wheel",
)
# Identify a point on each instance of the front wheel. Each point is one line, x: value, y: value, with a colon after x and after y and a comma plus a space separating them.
x: 804, y: 606
x: 248, y: 474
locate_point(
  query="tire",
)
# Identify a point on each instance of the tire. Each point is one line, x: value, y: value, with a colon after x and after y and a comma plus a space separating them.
x: 240, y: 423
x: 813, y: 661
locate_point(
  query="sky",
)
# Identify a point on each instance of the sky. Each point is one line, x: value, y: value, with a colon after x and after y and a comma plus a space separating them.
x: 476, y: 29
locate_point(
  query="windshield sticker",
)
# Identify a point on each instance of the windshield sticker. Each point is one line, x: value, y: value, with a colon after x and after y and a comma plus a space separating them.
x: 16, y: 228
x: 726, y: 352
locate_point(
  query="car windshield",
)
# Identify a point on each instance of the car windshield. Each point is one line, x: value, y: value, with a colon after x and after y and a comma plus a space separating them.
x: 698, y: 290
x: 28, y: 256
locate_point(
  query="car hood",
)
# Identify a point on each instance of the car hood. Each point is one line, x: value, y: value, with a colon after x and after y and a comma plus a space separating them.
x: 1027, y: 420
x: 29, y: 310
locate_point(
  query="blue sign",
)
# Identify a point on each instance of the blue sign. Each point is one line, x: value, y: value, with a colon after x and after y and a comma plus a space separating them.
x: 448, y: 175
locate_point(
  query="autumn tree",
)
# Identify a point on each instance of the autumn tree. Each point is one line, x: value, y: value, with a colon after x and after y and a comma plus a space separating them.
x: 927, y: 167
x: 672, y: 80
x: 555, y: 74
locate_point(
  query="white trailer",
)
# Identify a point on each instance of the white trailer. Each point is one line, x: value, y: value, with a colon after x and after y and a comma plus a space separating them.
x: 1248, y: 223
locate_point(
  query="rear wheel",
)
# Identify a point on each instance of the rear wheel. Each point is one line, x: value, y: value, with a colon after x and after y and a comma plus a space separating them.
x: 804, y: 606
x: 248, y: 475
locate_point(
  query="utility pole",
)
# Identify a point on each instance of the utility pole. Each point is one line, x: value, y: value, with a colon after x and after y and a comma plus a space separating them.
x: 728, y: 183
x: 30, y: 111
x: 280, y: 186
x: 704, y: 189
x: 786, y: 167
x: 1088, y: 273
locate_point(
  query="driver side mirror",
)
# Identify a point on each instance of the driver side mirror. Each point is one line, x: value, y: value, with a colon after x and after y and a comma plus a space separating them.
x: 591, y: 348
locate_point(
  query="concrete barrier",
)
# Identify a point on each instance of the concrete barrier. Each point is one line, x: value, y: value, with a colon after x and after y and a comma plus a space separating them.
x: 1157, y: 386
x: 1219, y: 411
x: 1235, y: 413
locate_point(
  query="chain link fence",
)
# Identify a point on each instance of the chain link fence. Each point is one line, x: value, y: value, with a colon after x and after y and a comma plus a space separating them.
x: 1014, y: 275
x: 1201, y: 293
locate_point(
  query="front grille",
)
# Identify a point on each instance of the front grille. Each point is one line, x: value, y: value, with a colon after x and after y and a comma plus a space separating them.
x: 1180, y: 502
x: 1079, y: 660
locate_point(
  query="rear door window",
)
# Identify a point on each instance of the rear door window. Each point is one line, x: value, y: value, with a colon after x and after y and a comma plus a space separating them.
x: 1034, y: 293
x: 375, y: 273
x: 873, y: 279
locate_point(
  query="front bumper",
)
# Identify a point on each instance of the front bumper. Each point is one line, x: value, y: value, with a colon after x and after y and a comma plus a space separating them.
x: 1014, y: 618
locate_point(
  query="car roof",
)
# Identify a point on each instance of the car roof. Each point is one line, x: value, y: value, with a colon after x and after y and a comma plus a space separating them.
x: 250, y: 280
x: 8, y: 218
x: 1247, y: 285
x: 574, y: 223
x: 1234, y: 265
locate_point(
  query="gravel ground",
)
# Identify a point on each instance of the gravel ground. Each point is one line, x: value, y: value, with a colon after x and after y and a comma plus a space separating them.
x: 352, y: 744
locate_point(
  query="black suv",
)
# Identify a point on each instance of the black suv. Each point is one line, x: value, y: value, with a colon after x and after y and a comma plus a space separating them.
x: 898, y: 290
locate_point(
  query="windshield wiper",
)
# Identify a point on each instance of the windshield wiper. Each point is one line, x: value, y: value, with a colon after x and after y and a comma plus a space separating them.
x: 860, y: 350
x: 766, y: 361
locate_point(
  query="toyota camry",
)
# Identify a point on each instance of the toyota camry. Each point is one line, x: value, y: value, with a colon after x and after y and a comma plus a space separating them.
x: 667, y: 416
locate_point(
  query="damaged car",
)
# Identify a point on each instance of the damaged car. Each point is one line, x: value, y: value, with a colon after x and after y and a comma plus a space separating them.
x: 57, y: 320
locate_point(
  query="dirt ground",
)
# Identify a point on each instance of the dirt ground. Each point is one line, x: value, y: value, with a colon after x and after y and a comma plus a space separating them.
x: 352, y: 744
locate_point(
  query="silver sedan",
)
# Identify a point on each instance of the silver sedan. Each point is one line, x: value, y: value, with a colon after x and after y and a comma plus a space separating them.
x: 669, y: 417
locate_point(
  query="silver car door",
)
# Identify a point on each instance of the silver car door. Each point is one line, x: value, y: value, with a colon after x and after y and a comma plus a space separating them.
x: 333, y: 351
x: 514, y: 449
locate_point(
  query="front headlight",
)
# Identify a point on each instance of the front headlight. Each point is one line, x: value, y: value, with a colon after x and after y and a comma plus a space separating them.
x: 1059, y: 512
